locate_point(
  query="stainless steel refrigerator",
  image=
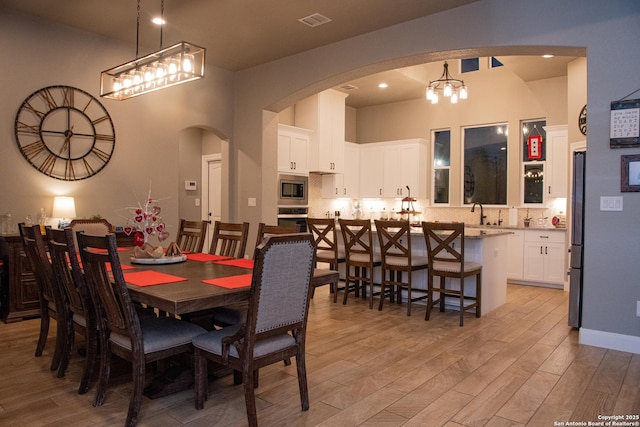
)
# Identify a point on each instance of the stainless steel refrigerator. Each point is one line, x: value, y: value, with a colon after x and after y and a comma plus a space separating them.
x: 577, y: 239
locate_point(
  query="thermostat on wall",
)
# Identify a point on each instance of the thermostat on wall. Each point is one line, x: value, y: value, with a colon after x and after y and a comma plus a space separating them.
x: 190, y: 185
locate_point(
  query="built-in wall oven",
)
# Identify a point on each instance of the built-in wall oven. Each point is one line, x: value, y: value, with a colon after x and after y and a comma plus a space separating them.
x: 293, y: 215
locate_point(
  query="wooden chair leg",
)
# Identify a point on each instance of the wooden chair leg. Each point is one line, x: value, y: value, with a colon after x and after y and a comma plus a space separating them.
x: 67, y: 343
x: 249, y: 396
x: 136, y: 395
x: 302, y: 380
x: 90, y: 361
x: 201, y: 378
x: 44, y: 331
x: 105, y: 369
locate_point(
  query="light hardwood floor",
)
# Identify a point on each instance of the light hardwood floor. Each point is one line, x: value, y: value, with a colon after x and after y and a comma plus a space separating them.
x: 518, y: 365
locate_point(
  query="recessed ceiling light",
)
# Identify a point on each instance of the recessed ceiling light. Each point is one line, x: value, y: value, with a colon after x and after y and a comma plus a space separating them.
x: 158, y: 21
x: 547, y: 56
x: 383, y: 85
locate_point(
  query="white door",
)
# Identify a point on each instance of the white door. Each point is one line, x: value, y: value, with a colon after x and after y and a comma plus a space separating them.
x: 213, y: 197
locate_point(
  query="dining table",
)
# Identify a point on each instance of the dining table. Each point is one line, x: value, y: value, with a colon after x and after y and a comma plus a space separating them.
x: 200, y: 282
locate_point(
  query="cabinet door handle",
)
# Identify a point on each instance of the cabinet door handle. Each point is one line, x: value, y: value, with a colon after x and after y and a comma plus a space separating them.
x: 380, y: 191
x: 344, y: 191
x: 540, y: 250
x: 545, y: 250
x: 549, y: 189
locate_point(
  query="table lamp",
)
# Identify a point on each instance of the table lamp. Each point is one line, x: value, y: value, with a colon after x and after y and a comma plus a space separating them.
x: 64, y: 208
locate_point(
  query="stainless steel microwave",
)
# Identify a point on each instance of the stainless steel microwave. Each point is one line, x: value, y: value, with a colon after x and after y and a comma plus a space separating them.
x: 293, y: 190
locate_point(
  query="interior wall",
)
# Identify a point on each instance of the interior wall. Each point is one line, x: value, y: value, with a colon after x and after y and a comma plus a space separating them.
x: 591, y: 24
x: 190, y: 152
x: 147, y: 127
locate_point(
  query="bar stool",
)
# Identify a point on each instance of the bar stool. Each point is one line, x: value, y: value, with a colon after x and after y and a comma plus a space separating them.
x: 359, y: 254
x: 327, y: 249
x: 447, y: 261
x: 395, y: 248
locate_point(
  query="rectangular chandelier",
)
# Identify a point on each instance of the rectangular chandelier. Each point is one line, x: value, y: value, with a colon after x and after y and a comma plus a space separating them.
x: 180, y: 63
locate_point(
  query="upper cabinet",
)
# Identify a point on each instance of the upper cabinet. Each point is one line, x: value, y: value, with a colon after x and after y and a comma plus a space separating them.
x: 293, y: 150
x: 388, y: 168
x: 324, y: 113
x: 558, y: 149
x: 346, y: 184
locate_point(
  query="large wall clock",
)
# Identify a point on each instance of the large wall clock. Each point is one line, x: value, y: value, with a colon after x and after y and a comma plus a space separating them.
x: 582, y: 120
x: 65, y: 133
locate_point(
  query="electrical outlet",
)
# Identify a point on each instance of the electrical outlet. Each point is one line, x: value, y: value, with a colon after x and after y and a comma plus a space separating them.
x: 252, y: 201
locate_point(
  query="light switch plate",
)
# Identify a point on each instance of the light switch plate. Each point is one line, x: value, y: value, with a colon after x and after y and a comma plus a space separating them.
x: 611, y: 203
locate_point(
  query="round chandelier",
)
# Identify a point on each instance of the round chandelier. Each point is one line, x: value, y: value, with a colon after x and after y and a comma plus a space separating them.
x: 446, y: 86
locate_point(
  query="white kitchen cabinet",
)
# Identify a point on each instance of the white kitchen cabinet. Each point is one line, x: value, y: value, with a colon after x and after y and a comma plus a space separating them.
x: 371, y: 170
x: 345, y: 184
x: 556, y: 175
x: 293, y: 150
x: 544, y: 256
x: 387, y: 168
x: 324, y: 113
x: 515, y: 261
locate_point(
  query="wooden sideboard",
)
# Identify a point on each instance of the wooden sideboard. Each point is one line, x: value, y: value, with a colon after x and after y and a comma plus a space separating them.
x: 19, y: 297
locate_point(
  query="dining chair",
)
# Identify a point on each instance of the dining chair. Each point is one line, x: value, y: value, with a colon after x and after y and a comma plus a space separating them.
x: 237, y: 313
x: 276, y: 323
x: 191, y: 235
x: 80, y: 312
x: 229, y: 239
x: 360, y: 256
x: 51, y: 306
x: 327, y: 248
x: 445, y: 248
x: 264, y: 229
x: 139, y: 340
x: 398, y: 262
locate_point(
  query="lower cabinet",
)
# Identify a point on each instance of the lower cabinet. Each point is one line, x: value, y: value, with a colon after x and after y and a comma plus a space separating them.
x: 19, y: 296
x: 544, y: 256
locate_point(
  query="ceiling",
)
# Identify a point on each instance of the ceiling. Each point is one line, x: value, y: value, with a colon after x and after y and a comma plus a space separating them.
x: 239, y: 34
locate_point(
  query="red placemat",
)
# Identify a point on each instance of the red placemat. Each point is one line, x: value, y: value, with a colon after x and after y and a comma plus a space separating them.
x: 150, y: 278
x: 206, y: 257
x: 243, y: 263
x: 231, y: 282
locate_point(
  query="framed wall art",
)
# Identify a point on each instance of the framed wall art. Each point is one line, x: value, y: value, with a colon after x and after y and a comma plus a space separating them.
x: 625, y: 124
x: 630, y: 173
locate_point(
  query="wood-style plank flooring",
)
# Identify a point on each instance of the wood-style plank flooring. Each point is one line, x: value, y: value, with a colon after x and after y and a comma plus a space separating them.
x: 520, y: 365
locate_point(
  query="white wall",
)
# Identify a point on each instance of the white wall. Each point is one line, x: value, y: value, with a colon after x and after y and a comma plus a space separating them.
x: 608, y: 30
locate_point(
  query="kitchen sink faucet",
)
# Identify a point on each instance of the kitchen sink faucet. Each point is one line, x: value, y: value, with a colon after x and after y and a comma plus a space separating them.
x: 482, y: 215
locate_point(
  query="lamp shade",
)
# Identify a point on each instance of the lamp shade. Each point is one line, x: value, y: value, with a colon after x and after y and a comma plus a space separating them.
x: 63, y: 207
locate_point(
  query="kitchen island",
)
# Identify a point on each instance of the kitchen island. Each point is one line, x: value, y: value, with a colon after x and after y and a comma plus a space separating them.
x: 487, y: 247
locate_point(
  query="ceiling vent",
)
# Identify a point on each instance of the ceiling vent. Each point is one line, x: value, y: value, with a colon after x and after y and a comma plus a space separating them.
x: 348, y: 87
x: 314, y: 20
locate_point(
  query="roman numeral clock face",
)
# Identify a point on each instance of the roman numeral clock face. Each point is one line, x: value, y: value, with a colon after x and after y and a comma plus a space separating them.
x: 65, y: 133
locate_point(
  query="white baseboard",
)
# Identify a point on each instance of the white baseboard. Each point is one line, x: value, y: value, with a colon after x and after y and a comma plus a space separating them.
x: 610, y: 340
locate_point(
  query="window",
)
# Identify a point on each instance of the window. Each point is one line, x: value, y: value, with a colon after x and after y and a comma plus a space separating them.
x: 441, y: 165
x: 534, y: 155
x: 485, y: 164
x: 469, y: 64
